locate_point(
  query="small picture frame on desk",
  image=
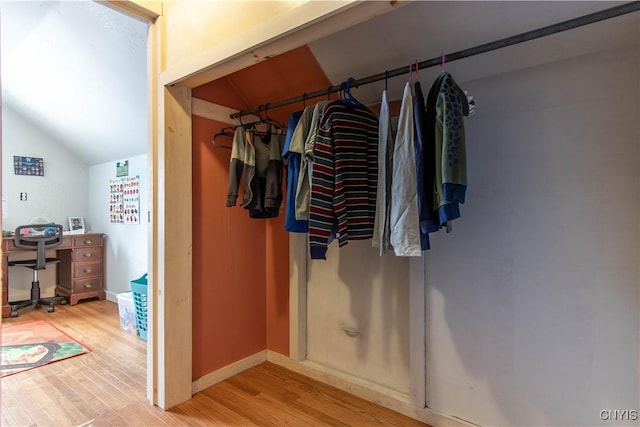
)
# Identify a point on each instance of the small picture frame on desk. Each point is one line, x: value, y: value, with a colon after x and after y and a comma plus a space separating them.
x: 76, y: 225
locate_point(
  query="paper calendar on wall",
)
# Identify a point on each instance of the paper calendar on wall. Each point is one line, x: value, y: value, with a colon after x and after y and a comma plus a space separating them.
x: 131, y: 197
x: 115, y: 201
x: 124, y: 203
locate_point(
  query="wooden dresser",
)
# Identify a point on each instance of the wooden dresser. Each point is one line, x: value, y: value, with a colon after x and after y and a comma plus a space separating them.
x: 80, y: 271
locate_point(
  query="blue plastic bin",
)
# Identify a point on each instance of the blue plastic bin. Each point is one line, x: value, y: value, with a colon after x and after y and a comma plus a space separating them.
x: 139, y: 290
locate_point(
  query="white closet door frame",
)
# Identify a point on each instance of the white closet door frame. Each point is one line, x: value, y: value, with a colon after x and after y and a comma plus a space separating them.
x: 417, y: 315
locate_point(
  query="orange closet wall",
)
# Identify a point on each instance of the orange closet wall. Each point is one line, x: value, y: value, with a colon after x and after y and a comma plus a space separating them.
x: 241, y: 265
x: 228, y: 261
x: 277, y: 270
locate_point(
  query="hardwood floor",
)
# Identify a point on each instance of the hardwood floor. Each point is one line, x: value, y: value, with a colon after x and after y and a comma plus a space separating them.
x: 107, y: 387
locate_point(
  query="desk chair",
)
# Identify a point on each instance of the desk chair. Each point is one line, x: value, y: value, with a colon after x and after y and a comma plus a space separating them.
x: 51, y: 238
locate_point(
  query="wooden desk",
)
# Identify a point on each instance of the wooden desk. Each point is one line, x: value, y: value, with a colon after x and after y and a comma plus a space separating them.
x: 80, y: 271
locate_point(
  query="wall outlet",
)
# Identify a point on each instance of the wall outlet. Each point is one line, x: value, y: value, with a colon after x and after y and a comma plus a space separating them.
x: 23, y: 197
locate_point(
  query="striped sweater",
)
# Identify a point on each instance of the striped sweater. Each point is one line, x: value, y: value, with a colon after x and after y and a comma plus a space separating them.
x: 344, y: 179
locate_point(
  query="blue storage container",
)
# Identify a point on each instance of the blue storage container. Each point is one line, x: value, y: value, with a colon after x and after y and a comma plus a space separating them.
x: 139, y: 290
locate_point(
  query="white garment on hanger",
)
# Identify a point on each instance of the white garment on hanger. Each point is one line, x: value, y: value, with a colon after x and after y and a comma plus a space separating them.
x: 405, y: 219
x: 381, y: 230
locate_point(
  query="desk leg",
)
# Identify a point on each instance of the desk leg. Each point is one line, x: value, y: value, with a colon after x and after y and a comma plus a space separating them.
x: 6, y: 308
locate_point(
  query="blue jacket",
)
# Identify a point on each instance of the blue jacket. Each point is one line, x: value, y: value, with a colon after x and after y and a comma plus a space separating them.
x: 425, y: 168
x: 293, y: 170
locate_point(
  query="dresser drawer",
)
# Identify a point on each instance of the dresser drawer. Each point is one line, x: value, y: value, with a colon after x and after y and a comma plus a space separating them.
x: 8, y: 245
x: 87, y: 269
x: 87, y: 240
x: 87, y: 285
x: 88, y: 253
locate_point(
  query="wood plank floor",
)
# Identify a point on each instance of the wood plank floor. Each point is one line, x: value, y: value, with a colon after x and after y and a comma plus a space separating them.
x: 107, y: 387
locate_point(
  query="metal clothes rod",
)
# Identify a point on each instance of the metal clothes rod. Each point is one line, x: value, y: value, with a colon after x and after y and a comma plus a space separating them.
x: 483, y: 48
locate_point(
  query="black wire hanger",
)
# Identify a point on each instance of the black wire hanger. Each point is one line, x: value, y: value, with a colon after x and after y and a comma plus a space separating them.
x: 225, y: 132
x: 268, y: 120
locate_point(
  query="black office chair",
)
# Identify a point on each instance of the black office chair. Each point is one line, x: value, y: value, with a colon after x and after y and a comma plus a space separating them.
x: 48, y: 236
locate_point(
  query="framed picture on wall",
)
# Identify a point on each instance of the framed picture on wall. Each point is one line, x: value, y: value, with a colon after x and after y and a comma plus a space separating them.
x: 24, y: 165
x: 76, y: 224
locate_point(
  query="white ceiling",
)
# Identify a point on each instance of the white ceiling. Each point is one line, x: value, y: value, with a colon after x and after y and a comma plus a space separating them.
x: 77, y: 71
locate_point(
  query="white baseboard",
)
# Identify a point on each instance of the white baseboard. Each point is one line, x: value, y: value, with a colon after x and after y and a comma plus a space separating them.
x: 25, y: 294
x: 367, y: 390
x: 20, y: 295
x: 228, y: 371
x: 111, y: 296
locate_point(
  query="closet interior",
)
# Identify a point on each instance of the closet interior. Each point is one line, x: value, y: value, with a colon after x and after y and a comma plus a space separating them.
x: 520, y: 293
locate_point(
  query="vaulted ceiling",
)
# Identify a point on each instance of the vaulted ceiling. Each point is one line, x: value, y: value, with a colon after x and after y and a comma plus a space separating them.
x: 77, y: 71
x: 87, y: 87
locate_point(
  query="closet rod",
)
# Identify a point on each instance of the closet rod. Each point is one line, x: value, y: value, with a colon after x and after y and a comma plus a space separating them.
x: 483, y: 48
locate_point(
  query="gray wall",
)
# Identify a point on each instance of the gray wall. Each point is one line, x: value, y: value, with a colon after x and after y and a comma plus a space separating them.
x: 126, y: 247
x: 60, y: 193
x: 69, y: 188
x: 533, y: 301
x: 63, y: 190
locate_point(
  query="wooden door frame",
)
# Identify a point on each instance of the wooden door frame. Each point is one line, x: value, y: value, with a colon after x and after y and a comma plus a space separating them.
x: 169, y: 367
x: 169, y: 345
x: 171, y: 177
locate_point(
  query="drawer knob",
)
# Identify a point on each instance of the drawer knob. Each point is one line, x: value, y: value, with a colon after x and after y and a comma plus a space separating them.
x: 87, y: 270
x: 88, y: 254
x: 88, y: 285
x: 88, y: 242
x: 351, y: 332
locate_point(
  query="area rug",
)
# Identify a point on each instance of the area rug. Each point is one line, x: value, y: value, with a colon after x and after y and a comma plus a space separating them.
x: 28, y: 345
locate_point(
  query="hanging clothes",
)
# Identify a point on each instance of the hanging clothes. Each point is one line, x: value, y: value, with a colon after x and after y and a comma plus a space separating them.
x: 318, y: 112
x: 425, y: 167
x: 293, y: 167
x: 257, y: 160
x: 429, y: 150
x: 303, y: 191
x: 344, y: 180
x: 301, y: 131
x: 381, y: 228
x: 297, y: 148
x: 449, y: 104
x: 404, y: 218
